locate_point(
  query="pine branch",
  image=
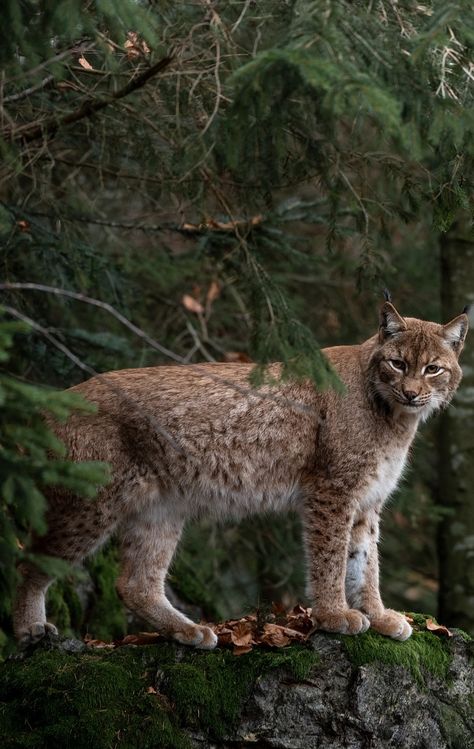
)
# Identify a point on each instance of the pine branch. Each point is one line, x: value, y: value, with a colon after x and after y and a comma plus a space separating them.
x: 186, y: 228
x: 31, y: 90
x: 89, y: 107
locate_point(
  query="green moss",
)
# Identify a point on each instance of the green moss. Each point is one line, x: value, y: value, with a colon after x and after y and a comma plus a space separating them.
x: 101, y: 699
x: 422, y: 652
x: 210, y: 689
x: 105, y: 618
x: 58, y: 610
x: 53, y: 701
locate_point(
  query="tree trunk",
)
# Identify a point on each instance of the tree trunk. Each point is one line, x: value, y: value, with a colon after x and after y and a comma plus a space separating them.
x: 456, y: 445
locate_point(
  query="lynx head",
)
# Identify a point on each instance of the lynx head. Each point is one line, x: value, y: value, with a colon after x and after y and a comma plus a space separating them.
x: 414, y: 367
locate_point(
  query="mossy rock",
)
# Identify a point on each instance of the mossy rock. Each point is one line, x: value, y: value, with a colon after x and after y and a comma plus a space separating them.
x: 335, y: 691
x: 423, y: 653
x: 130, y: 697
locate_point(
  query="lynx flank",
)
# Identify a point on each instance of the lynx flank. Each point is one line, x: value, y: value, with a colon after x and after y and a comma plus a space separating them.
x: 187, y: 441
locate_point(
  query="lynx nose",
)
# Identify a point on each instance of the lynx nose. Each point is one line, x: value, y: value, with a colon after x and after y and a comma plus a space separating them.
x: 410, y: 395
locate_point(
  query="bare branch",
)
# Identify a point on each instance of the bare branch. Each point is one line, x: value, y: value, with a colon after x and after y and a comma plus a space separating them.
x: 102, y: 305
x: 195, y: 368
x: 102, y: 378
x: 31, y: 90
x: 89, y: 107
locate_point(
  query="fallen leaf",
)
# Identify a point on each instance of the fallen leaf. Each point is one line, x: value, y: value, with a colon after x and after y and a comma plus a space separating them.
x: 278, y: 609
x: 142, y: 638
x: 237, y: 356
x: 84, y: 63
x: 192, y: 304
x: 23, y: 225
x: 274, y: 635
x: 242, y: 634
x: 241, y: 650
x: 438, y: 629
x: 409, y: 619
x: 279, y: 636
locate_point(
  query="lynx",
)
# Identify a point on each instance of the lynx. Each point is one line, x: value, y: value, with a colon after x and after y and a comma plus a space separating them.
x: 197, y: 440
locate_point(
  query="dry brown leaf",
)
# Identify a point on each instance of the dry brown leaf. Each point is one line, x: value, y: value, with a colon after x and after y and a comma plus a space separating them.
x: 242, y: 634
x: 151, y: 690
x: 192, y: 304
x: 237, y: 356
x: 241, y: 650
x: 214, y: 225
x: 278, y: 609
x: 213, y: 292
x: 142, y: 638
x: 135, y: 46
x: 23, y: 225
x: 409, y: 619
x: 438, y: 629
x: 274, y: 635
x: 84, y: 63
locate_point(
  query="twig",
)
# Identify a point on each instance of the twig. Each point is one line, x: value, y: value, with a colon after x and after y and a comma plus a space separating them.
x: 91, y: 371
x: 196, y: 368
x: 28, y: 91
x: 186, y: 228
x: 218, y: 90
x: 88, y: 108
x: 96, y: 303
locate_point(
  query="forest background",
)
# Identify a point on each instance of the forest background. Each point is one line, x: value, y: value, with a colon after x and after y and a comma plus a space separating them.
x: 231, y: 181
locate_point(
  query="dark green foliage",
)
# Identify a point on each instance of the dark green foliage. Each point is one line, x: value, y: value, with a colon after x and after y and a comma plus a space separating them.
x: 31, y: 457
x: 105, y: 615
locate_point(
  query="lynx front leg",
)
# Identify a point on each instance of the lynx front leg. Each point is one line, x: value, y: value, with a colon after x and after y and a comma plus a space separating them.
x: 148, y: 543
x: 362, y: 578
x: 327, y: 532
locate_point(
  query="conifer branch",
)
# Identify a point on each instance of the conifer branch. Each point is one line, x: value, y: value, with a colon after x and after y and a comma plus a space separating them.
x: 49, y: 128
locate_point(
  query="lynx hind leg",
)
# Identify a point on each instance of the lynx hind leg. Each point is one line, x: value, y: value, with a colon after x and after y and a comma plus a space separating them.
x: 70, y: 537
x: 147, y: 545
x: 29, y: 612
x: 362, y: 579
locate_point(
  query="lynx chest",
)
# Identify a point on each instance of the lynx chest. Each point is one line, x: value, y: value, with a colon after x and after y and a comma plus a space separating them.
x: 383, y: 478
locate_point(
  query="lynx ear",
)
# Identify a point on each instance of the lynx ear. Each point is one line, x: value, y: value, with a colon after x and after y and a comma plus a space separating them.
x: 390, y: 321
x: 454, y: 332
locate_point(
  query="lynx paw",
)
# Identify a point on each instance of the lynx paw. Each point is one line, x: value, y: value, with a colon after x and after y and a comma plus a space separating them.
x: 348, y: 622
x: 35, y: 632
x: 391, y: 624
x: 197, y: 635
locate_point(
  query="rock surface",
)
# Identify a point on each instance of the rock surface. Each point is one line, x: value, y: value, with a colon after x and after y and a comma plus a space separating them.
x: 339, y: 706
x: 335, y: 693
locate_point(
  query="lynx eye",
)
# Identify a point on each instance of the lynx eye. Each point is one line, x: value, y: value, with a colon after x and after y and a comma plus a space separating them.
x: 397, y: 364
x: 432, y: 369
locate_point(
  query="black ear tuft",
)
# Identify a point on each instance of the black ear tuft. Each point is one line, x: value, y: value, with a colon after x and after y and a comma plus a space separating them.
x: 387, y: 295
x: 467, y: 309
x: 391, y: 322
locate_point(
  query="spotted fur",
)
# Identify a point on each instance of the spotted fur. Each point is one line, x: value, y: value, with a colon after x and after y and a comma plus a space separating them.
x: 197, y: 440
